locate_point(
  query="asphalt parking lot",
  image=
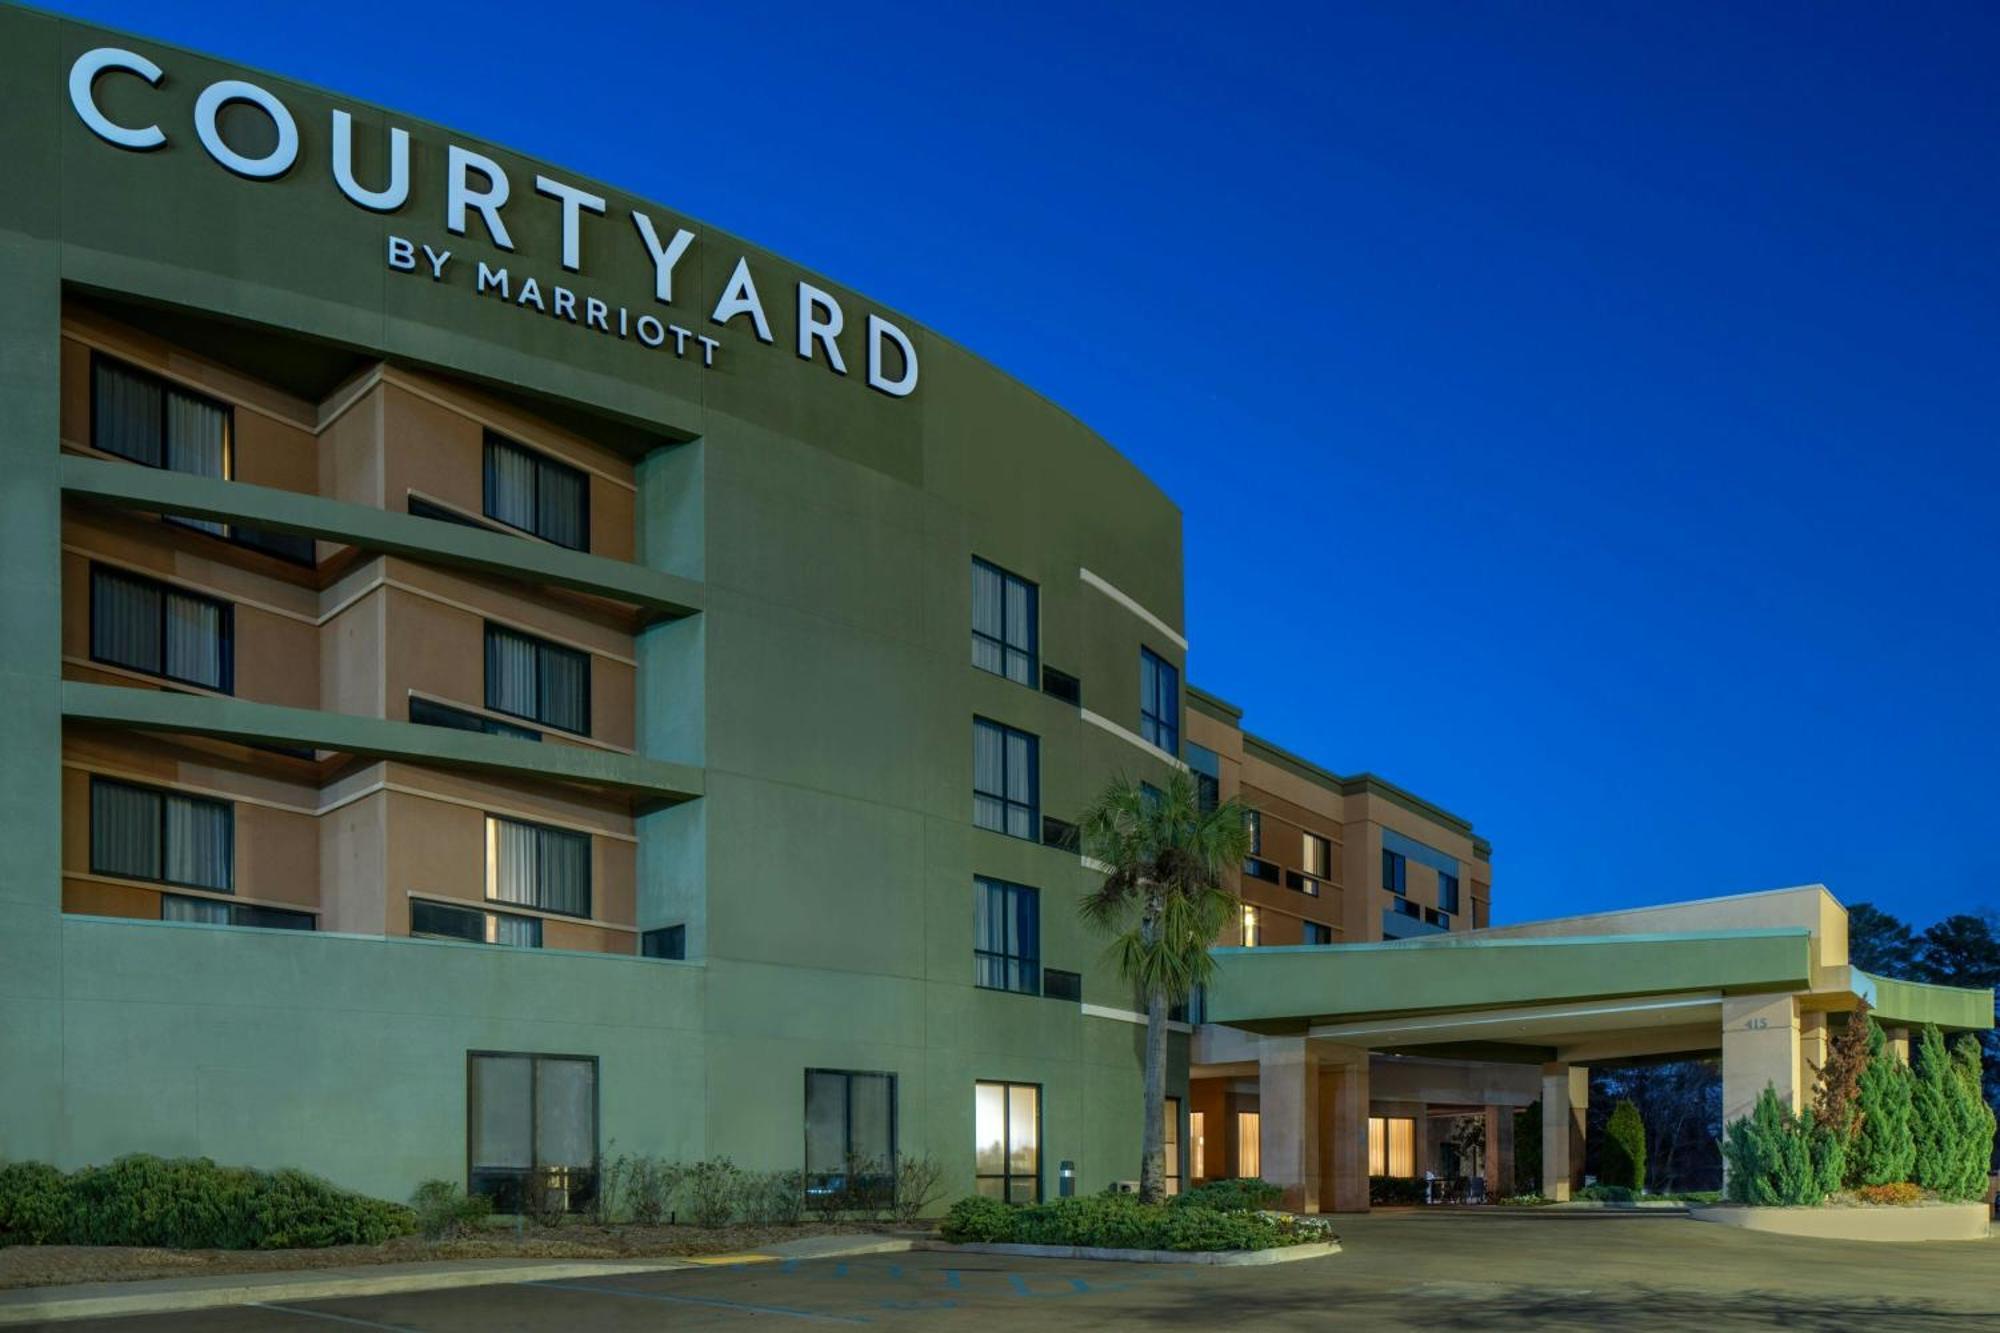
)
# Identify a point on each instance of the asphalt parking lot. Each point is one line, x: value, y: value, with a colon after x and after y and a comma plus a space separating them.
x: 1432, y: 1271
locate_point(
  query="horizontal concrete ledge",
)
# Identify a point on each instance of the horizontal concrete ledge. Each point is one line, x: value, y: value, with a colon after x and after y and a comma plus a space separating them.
x: 1918, y: 1222
x: 1219, y: 1258
x: 374, y: 737
x: 131, y: 486
x: 104, y: 1300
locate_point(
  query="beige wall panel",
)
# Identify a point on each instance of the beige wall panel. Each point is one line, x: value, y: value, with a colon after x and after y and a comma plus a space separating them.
x: 579, y: 935
x: 352, y: 855
x: 429, y: 448
x: 434, y: 848
x: 90, y: 898
x: 277, y: 855
x: 352, y: 646
x: 435, y: 649
x: 350, y: 454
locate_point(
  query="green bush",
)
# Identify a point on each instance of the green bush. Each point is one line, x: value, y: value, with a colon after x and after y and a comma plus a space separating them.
x: 1934, y: 1129
x: 1883, y: 1150
x: 1770, y: 1156
x: 443, y: 1211
x: 1243, y: 1194
x: 774, y: 1198
x: 714, y: 1188
x: 34, y: 1204
x: 1975, y: 1120
x: 1391, y: 1191
x: 188, y: 1203
x: 976, y: 1218
x: 1622, y: 1161
x: 1607, y: 1193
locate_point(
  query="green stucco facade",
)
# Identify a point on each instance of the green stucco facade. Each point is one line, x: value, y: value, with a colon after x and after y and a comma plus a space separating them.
x: 804, y: 711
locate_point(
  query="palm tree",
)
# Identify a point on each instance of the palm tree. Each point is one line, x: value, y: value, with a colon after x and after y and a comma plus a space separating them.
x: 1164, y: 901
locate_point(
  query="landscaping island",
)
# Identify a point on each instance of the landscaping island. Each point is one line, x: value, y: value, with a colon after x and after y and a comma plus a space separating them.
x: 1221, y: 1222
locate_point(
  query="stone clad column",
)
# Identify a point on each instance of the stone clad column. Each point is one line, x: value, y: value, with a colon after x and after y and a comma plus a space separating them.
x: 1499, y: 1151
x: 1344, y: 1121
x: 1565, y: 1103
x: 1760, y: 1045
x: 1288, y: 1120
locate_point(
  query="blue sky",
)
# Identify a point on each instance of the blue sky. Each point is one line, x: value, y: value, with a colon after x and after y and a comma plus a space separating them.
x: 1584, y: 415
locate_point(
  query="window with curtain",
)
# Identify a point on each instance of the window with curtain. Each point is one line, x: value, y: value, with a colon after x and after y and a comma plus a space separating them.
x: 1392, y: 1147
x: 531, y: 1122
x: 153, y: 627
x: 532, y: 865
x: 147, y: 833
x: 207, y: 911
x: 1316, y: 932
x: 536, y: 494
x: 1007, y: 1141
x: 1172, y: 1126
x: 1249, y: 1144
x: 1005, y: 623
x: 1252, y: 935
x: 1316, y: 855
x: 1198, y: 1144
x: 541, y: 681
x: 1006, y: 936
x: 851, y: 1133
x: 431, y: 713
x: 1447, y: 892
x: 448, y: 921
x: 1159, y: 702
x: 1006, y: 793
x: 1395, y: 872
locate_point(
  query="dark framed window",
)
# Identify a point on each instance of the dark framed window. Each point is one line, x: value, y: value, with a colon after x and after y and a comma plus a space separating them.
x: 1395, y: 872
x: 156, y: 628
x: 541, y: 681
x: 1007, y: 1141
x: 1404, y: 907
x: 1206, y: 766
x: 1005, y: 623
x: 422, y: 508
x: 1305, y: 884
x: 1253, y: 820
x: 531, y: 1130
x: 1258, y: 868
x: 1006, y: 936
x: 1061, y: 834
x: 1060, y: 985
x: 449, y: 921
x: 431, y: 713
x: 1317, y: 932
x: 146, y: 833
x: 665, y: 942
x: 1316, y: 855
x: 533, y: 865
x: 140, y: 417
x: 1159, y: 702
x: 534, y: 493
x: 1006, y: 779
x: 851, y: 1135
x: 1436, y: 918
x: 1447, y: 892
x: 207, y: 911
x: 1061, y: 685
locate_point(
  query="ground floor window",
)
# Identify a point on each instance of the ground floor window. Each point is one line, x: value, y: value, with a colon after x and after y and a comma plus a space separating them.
x: 851, y: 1136
x: 1007, y: 1141
x: 531, y: 1124
x: 1392, y: 1146
x: 1198, y: 1144
x: 1249, y: 1148
x: 1173, y: 1142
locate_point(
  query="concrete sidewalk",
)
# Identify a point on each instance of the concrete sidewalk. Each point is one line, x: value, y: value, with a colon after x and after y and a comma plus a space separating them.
x: 97, y: 1300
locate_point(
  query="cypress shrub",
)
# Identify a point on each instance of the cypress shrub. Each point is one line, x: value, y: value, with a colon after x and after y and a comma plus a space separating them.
x: 1770, y: 1156
x: 1883, y: 1151
x: 1623, y: 1158
x: 1975, y: 1120
x: 1936, y: 1131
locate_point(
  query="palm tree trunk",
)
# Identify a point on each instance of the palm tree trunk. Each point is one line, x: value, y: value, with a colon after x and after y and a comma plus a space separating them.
x: 1152, y: 1167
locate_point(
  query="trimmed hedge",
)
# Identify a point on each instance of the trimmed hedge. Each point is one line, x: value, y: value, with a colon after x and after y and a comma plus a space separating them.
x: 1242, y: 1194
x: 188, y: 1203
x: 1121, y: 1222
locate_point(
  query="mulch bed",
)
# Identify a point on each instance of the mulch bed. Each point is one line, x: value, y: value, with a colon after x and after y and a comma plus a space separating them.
x: 57, y: 1265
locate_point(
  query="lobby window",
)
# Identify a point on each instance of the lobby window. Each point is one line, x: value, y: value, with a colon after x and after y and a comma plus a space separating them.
x: 1198, y: 1144
x: 666, y: 942
x: 1392, y: 1146
x: 541, y: 681
x: 535, y: 494
x: 851, y: 1134
x: 151, y: 627
x: 144, y: 833
x: 1395, y: 872
x: 532, y: 865
x: 1006, y: 937
x: 532, y: 1130
x: 208, y: 912
x: 1159, y: 702
x: 1007, y: 1141
x: 1316, y: 855
x: 448, y: 921
x: 1317, y: 932
x: 1447, y: 892
x: 1006, y: 785
x: 1249, y: 1147
x: 1251, y: 933
x: 1005, y: 623
x: 431, y: 713
x: 1172, y: 1138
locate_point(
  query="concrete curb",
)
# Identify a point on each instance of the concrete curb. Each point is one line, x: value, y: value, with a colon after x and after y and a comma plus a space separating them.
x: 1282, y: 1254
x: 98, y: 1300
x: 1916, y: 1223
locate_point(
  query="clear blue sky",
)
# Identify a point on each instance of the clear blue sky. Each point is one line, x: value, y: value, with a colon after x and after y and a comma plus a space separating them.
x: 1584, y: 415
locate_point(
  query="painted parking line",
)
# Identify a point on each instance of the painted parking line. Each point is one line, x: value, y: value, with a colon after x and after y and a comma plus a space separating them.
x: 712, y: 1302
x: 332, y: 1318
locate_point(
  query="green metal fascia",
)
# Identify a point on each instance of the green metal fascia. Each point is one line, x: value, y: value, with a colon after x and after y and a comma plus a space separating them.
x: 271, y: 724
x: 1294, y: 986
x: 1917, y: 1002
x: 155, y: 489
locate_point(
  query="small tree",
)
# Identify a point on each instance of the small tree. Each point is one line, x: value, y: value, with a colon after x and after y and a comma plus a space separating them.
x: 1623, y: 1158
x: 1974, y: 1117
x: 1935, y: 1119
x: 1883, y: 1150
x: 1770, y: 1156
x: 1838, y: 1089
